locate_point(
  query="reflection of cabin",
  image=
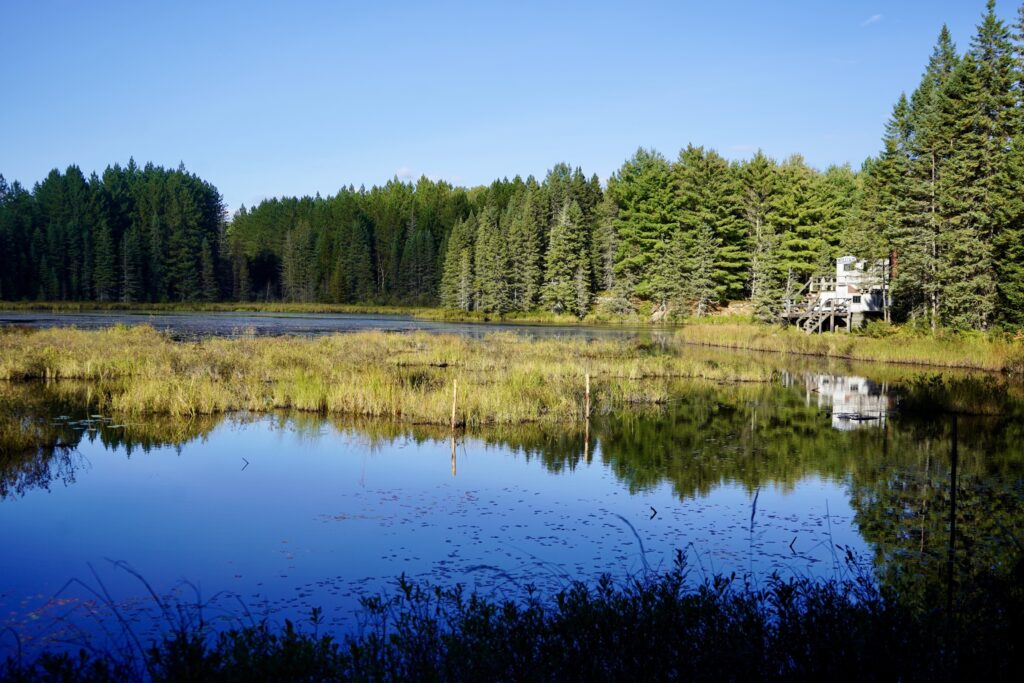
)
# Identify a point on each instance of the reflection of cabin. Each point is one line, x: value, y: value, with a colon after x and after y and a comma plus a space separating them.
x: 859, y: 291
x: 855, y: 402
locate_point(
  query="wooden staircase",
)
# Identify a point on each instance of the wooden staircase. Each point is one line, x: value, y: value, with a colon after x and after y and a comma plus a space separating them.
x: 817, y: 314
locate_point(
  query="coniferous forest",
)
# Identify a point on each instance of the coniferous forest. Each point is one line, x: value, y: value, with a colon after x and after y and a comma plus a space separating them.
x: 942, y: 200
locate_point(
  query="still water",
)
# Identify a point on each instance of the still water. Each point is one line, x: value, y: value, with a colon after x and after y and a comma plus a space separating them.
x: 818, y: 475
x: 235, y: 324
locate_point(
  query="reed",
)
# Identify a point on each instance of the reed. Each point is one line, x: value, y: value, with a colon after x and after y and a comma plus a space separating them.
x: 503, y: 378
x: 884, y: 344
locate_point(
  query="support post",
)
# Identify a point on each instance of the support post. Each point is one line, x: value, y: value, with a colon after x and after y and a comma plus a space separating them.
x: 586, y: 423
x: 586, y: 398
x: 453, y: 455
x: 455, y: 398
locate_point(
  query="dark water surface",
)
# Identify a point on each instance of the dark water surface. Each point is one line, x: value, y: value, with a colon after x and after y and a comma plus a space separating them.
x: 234, y: 324
x: 823, y: 475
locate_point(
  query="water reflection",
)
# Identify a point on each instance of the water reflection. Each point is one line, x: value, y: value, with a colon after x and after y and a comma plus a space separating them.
x: 854, y: 402
x: 299, y: 510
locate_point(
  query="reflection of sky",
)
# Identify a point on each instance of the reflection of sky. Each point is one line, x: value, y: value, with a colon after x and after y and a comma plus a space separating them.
x: 234, y: 324
x: 315, y: 520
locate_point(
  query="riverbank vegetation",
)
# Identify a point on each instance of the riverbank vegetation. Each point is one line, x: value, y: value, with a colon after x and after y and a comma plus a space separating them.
x: 654, y: 628
x: 879, y: 343
x: 674, y: 237
x: 504, y: 378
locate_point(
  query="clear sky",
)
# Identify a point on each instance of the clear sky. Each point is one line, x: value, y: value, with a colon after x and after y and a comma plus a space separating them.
x: 293, y: 98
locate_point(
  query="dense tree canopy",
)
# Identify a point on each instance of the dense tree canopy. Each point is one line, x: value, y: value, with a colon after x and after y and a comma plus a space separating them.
x: 941, y: 200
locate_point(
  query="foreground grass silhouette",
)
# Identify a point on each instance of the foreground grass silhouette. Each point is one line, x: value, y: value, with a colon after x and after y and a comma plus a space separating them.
x: 651, y: 629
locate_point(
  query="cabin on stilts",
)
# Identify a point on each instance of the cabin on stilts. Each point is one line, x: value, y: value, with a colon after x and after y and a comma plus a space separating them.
x: 858, y: 292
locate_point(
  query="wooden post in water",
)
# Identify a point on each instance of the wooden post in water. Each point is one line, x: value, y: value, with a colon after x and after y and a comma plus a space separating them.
x: 586, y: 423
x: 586, y: 398
x: 455, y: 398
x: 453, y: 455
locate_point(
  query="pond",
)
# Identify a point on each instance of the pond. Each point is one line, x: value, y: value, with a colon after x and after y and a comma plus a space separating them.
x: 250, y: 516
x: 235, y: 324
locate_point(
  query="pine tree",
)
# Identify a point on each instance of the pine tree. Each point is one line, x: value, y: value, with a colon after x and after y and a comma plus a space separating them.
x: 707, y: 195
x: 797, y: 210
x: 606, y: 243
x: 417, y: 267
x: 131, y: 263
x: 457, y: 281
x: 701, y: 288
x: 965, y: 274
x: 105, y: 271
x: 642, y: 191
x: 567, y: 274
x: 208, y: 274
x: 919, y: 249
x: 491, y: 264
x: 758, y: 179
x: 523, y: 251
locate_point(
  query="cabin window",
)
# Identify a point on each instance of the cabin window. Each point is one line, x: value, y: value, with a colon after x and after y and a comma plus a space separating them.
x: 856, y: 299
x: 849, y: 266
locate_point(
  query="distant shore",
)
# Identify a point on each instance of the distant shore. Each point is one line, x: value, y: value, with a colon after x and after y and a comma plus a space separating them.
x: 993, y: 352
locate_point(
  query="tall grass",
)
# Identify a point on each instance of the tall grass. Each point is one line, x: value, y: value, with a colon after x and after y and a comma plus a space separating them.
x: 503, y: 379
x: 891, y: 345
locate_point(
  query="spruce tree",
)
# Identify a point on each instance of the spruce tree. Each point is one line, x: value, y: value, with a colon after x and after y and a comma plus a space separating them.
x: 707, y: 195
x: 105, y: 269
x: 525, y: 273
x: 457, y: 280
x: 567, y: 273
x: 208, y: 275
x: 759, y: 181
x: 642, y: 191
x: 491, y: 264
x: 797, y: 213
x: 702, y: 265
x: 605, y: 243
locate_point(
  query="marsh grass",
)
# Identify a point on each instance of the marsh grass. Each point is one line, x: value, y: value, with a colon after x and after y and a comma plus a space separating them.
x: 883, y: 344
x: 503, y: 378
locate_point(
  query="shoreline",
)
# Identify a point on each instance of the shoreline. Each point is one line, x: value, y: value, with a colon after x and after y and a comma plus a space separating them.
x: 991, y: 352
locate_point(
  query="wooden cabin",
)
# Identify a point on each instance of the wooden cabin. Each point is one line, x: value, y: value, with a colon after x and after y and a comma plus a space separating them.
x: 858, y: 292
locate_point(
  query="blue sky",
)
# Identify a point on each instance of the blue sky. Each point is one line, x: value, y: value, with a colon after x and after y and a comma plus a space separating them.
x: 276, y: 98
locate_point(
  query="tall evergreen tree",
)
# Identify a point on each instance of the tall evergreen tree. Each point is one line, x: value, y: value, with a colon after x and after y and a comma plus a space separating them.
x: 759, y: 181
x: 567, y: 274
x: 642, y: 191
x: 525, y: 273
x: 491, y: 264
x: 707, y: 195
x: 457, y: 283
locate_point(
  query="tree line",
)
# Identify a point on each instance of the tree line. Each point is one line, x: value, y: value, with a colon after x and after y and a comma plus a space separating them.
x: 133, y: 234
x: 681, y: 236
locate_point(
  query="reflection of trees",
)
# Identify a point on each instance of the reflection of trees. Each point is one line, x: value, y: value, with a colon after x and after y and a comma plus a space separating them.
x: 754, y: 434
x: 750, y: 434
x: 42, y: 425
x: 904, y: 506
